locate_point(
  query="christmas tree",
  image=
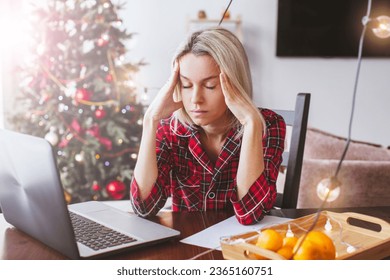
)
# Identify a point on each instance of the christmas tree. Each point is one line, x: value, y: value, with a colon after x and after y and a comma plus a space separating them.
x: 78, y: 92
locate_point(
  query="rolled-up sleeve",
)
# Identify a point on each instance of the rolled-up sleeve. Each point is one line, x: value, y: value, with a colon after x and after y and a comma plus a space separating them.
x: 261, y: 195
x: 160, y: 190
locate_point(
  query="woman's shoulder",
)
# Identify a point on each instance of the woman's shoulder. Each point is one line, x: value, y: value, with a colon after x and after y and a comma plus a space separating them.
x: 275, y: 124
x: 271, y: 116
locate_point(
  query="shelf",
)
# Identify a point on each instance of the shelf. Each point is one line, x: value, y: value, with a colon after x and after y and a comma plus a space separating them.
x: 234, y: 25
x: 235, y: 21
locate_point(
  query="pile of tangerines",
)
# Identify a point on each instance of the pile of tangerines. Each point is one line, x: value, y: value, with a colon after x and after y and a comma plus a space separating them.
x: 316, y: 245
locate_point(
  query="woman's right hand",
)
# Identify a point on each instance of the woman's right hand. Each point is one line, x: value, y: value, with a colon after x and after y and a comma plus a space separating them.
x: 164, y: 104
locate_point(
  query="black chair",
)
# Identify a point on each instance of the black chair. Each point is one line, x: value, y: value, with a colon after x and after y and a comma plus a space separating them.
x: 293, y: 158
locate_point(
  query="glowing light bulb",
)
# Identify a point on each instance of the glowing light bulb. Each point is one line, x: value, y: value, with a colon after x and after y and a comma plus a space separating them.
x: 382, y: 28
x: 328, y: 226
x: 328, y: 189
x: 351, y: 249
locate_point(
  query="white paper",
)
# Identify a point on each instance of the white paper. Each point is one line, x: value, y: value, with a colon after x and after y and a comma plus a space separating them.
x: 210, y: 237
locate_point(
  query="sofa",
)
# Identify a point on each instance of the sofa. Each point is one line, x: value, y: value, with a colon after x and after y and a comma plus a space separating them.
x: 364, y: 174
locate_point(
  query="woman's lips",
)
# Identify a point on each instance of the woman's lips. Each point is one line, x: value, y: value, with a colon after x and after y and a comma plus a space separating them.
x: 198, y: 112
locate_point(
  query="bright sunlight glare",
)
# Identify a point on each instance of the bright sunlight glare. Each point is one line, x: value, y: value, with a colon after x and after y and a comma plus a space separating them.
x: 15, y: 31
x: 14, y: 41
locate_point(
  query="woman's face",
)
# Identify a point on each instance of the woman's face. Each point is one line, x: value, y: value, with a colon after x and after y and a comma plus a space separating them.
x: 201, y: 90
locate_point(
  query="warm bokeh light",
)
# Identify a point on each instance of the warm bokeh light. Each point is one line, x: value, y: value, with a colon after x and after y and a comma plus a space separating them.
x: 328, y: 189
x: 382, y: 28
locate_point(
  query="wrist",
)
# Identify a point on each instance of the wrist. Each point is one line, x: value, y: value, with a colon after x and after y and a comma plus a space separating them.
x: 253, y: 120
x: 149, y: 121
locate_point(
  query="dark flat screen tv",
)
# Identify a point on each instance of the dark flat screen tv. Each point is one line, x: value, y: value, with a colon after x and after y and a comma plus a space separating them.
x: 328, y: 28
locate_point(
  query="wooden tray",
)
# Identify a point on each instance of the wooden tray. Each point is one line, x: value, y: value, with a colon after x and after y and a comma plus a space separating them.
x: 356, y: 236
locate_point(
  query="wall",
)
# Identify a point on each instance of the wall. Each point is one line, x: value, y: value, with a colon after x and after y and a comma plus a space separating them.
x: 161, y: 25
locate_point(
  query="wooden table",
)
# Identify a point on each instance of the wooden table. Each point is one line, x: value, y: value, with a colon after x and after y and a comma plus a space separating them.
x: 14, y: 244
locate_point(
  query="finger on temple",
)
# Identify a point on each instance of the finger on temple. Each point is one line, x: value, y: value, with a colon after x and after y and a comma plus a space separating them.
x: 224, y: 83
x: 175, y: 69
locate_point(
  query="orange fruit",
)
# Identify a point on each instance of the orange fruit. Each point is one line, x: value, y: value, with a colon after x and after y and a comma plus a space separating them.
x: 290, y: 241
x: 286, y: 252
x: 270, y: 239
x: 287, y: 248
x: 307, y: 251
x: 316, y: 246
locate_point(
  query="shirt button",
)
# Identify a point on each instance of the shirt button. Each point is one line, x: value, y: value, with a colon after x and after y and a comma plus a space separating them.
x: 211, y: 195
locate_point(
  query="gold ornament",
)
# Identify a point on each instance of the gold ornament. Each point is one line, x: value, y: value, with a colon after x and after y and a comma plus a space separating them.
x: 68, y: 197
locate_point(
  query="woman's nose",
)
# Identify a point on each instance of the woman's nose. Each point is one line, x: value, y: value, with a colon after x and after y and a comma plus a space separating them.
x: 197, y: 95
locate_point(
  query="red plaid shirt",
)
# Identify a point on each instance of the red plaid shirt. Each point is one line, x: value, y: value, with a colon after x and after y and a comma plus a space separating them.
x: 196, y: 184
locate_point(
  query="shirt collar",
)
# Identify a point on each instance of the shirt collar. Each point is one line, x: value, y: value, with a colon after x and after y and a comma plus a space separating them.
x: 182, y: 130
x: 229, y: 149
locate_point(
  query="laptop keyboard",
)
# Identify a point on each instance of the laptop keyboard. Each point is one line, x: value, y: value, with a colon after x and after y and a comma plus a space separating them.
x: 95, y: 235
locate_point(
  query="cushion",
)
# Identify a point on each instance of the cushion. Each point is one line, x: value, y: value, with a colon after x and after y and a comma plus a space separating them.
x: 323, y: 145
x: 364, y: 174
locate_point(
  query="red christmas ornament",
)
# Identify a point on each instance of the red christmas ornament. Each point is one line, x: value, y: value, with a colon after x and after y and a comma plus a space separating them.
x: 82, y: 94
x: 75, y: 125
x: 95, y: 187
x: 103, y: 40
x: 116, y: 189
x: 100, y: 113
x: 95, y: 132
x: 109, y: 78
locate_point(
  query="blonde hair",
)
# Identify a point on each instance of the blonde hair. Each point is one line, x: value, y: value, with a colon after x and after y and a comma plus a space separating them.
x: 229, y: 54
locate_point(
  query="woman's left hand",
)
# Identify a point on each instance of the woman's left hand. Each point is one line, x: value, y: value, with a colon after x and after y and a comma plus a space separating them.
x: 242, y: 108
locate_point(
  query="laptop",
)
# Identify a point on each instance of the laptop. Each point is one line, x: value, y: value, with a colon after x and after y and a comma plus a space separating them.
x: 32, y: 199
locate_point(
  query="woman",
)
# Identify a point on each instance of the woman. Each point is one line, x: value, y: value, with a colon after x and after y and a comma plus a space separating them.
x: 204, y: 142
